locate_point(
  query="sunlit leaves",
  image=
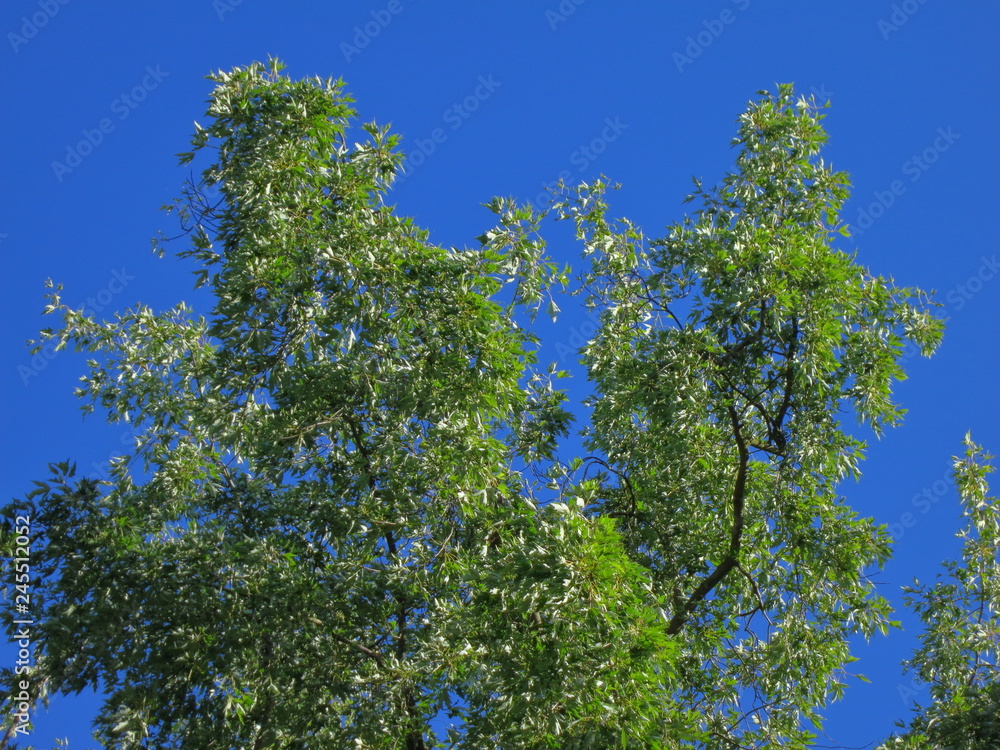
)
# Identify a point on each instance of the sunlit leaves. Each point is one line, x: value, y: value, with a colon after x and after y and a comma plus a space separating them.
x: 959, y: 653
x: 727, y: 351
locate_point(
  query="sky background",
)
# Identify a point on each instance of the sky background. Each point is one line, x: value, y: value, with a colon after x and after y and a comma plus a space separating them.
x: 99, y: 97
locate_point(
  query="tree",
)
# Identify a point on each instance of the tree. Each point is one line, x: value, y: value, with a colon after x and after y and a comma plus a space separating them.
x: 346, y: 512
x: 959, y: 655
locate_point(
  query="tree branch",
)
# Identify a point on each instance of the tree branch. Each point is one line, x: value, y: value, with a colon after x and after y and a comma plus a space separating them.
x: 731, y: 559
x: 623, y: 479
x: 789, y: 376
x: 358, y: 647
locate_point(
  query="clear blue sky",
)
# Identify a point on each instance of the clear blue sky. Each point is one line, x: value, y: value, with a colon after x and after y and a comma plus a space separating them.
x: 99, y: 97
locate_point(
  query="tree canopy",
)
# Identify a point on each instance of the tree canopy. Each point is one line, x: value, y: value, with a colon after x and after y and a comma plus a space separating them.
x: 347, y: 520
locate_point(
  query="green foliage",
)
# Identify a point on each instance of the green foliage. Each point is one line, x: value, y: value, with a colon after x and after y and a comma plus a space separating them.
x: 330, y: 532
x: 725, y: 355
x: 959, y: 653
x: 291, y: 554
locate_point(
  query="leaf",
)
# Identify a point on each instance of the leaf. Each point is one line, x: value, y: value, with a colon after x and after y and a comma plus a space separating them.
x: 553, y: 310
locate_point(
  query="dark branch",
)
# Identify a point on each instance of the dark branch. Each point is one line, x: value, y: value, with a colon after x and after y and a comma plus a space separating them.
x: 358, y: 647
x: 731, y: 559
x: 623, y: 478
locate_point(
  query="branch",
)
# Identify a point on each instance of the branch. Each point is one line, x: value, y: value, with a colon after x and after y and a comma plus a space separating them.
x: 735, y: 536
x: 750, y: 338
x: 268, y: 709
x: 648, y: 296
x: 789, y: 376
x: 623, y: 478
x: 774, y: 432
x: 358, y: 647
x: 756, y: 590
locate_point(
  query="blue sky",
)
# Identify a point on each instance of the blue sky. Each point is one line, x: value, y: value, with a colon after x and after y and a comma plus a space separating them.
x: 500, y: 99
